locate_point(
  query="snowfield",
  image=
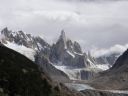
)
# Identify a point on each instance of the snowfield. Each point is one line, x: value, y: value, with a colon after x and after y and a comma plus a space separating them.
x: 29, y: 53
x: 101, y: 66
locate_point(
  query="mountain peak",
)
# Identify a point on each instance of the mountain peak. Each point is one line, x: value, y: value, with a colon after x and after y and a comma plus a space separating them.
x: 62, y: 40
x: 5, y: 31
x: 63, y: 36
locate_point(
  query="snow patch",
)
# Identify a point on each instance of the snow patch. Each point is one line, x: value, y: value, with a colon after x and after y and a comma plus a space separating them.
x: 78, y: 53
x: 103, y: 66
x: 22, y: 49
x: 39, y: 46
x: 70, y: 53
x: 90, y: 62
x: 14, y: 34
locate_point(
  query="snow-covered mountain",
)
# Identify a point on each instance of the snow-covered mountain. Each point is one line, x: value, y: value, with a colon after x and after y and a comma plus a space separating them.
x: 68, y: 53
x: 27, y: 40
x: 64, y: 55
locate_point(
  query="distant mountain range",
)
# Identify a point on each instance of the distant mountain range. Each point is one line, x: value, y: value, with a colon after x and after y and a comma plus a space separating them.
x: 110, y: 55
x: 108, y: 59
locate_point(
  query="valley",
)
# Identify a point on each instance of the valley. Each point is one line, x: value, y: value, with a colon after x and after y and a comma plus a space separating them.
x: 65, y: 62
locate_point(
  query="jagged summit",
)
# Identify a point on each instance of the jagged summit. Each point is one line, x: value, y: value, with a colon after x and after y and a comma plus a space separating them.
x: 5, y: 30
x: 24, y: 39
x: 62, y: 40
x: 68, y: 44
x: 69, y: 53
x: 63, y: 36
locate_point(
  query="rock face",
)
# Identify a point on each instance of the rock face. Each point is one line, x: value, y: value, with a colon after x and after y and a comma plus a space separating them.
x: 68, y: 53
x: 49, y: 69
x: 116, y: 77
x: 86, y: 74
x: 121, y: 64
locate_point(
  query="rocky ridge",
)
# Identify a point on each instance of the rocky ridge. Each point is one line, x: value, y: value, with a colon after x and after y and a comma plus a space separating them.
x: 69, y: 53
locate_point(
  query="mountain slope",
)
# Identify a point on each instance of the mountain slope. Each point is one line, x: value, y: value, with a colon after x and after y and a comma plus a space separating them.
x: 116, y: 77
x: 49, y: 69
x: 19, y: 76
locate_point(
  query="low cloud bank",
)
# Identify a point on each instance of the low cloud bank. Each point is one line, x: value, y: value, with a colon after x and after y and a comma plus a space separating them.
x: 119, y: 49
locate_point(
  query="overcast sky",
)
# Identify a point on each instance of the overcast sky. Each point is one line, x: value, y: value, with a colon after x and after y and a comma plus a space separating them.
x: 99, y: 23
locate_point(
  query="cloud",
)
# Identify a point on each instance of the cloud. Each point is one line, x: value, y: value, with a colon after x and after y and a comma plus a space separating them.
x: 119, y: 49
x: 99, y: 24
